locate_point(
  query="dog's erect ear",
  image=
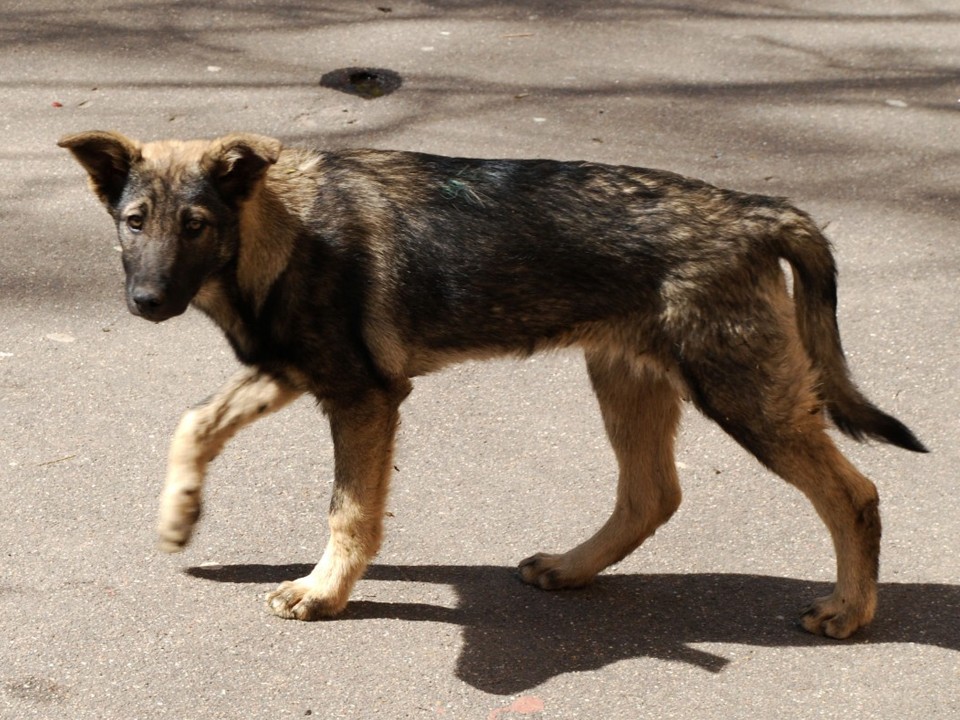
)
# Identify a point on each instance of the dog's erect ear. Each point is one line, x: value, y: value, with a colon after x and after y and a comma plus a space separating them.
x: 235, y: 163
x: 107, y: 157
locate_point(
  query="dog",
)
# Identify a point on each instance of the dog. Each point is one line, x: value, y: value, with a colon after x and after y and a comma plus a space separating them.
x: 345, y: 274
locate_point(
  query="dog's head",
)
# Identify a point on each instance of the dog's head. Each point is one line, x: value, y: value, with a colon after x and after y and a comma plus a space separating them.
x: 176, y: 207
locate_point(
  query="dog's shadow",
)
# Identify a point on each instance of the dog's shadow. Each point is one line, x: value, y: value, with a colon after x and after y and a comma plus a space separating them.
x: 516, y: 637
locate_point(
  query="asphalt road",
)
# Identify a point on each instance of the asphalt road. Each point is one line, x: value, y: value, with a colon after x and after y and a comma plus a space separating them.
x: 854, y: 113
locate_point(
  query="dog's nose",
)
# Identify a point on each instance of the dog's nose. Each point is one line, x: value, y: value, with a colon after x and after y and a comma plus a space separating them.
x: 147, y: 299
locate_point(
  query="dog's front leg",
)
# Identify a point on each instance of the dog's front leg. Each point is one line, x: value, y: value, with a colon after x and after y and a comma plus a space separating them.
x: 199, y: 438
x: 363, y: 436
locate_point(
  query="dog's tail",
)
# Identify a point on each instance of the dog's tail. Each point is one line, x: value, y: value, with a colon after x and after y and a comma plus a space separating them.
x: 802, y: 244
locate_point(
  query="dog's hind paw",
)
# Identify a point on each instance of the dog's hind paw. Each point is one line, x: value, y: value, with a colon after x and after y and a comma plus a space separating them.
x: 835, y: 618
x: 551, y: 572
x: 300, y: 600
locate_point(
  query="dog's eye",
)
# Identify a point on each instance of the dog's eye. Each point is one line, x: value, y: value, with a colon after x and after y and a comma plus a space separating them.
x: 135, y: 222
x: 194, y: 225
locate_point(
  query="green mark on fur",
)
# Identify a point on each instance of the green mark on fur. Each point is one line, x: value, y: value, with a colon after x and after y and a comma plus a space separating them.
x: 454, y: 188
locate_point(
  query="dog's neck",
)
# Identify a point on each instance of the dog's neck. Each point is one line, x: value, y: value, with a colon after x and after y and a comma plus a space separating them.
x: 216, y: 301
x: 267, y: 232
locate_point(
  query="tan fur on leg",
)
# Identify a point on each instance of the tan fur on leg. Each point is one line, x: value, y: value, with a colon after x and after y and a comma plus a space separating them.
x: 849, y: 506
x: 640, y: 411
x: 363, y: 437
x: 199, y: 438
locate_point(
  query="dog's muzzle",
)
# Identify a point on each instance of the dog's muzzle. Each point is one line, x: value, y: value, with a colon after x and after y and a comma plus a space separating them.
x: 153, y: 303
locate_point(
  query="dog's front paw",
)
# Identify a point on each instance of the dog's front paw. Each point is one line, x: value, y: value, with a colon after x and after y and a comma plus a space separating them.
x: 551, y: 572
x: 833, y: 617
x: 302, y: 600
x: 179, y: 513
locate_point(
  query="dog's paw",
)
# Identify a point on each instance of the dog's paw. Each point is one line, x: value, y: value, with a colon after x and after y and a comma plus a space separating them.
x: 551, y: 572
x: 178, y: 515
x: 301, y: 600
x: 833, y: 617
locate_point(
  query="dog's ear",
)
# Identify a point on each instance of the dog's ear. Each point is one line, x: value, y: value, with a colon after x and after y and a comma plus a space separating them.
x: 236, y: 163
x: 107, y: 157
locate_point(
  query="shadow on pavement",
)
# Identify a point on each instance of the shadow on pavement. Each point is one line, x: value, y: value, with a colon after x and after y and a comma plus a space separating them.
x: 516, y: 637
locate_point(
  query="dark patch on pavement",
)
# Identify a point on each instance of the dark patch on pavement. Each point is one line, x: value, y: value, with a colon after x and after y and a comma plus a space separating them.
x: 367, y: 83
x: 35, y: 689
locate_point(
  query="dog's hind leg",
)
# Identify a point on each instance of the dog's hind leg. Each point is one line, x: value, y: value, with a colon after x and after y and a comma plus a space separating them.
x: 363, y: 438
x: 801, y: 452
x: 760, y: 388
x: 848, y: 503
x: 199, y: 438
x: 641, y: 410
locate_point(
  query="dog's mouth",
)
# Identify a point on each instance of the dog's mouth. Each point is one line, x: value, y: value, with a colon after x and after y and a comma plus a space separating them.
x: 156, y: 315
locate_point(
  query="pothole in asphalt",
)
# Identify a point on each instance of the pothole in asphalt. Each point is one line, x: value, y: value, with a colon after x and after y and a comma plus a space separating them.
x: 367, y: 83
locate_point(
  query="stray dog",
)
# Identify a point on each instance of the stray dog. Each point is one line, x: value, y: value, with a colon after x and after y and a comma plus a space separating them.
x: 344, y: 274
